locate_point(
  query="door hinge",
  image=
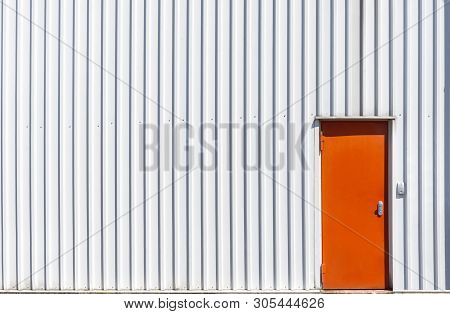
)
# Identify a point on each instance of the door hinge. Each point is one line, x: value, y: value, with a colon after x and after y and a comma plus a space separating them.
x: 321, y: 142
x: 322, y: 272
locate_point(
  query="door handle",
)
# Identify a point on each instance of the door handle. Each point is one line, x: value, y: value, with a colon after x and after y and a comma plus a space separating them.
x: 380, y: 208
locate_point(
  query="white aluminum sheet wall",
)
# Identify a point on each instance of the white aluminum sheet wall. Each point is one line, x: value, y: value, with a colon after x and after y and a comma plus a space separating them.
x: 79, y: 79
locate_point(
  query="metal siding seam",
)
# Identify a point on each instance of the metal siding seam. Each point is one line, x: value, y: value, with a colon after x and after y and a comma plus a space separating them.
x: 339, y: 59
x: 439, y: 144
x: 445, y: 100
x: 9, y: 169
x: 309, y: 110
x: 347, y: 49
x: 175, y: 74
x: 66, y: 147
x: 17, y: 133
x: 209, y: 169
x: 223, y: 158
x: 208, y: 109
x: 421, y: 153
x: 15, y: 149
x: 252, y: 134
x: 302, y: 134
x: 288, y: 155
x: 172, y: 138
x: 133, y: 104
x: 354, y: 55
x: 383, y: 67
x: 122, y: 149
x: 377, y: 56
x: 391, y: 64
x: 180, y: 170
x: 406, y: 145
x: 116, y: 245
x: 61, y: 163
x: 435, y: 196
x: 445, y: 39
x: 266, y: 146
x: 142, y: 164
x: 73, y: 148
x: 230, y: 134
x: 324, y: 55
x: 369, y: 58
x: 230, y: 156
x: 332, y: 52
x: 101, y: 122
x: 245, y: 113
x: 284, y: 77
x: 260, y: 230
x: 2, y: 283
x: 166, y: 144
x: 195, y: 237
x: 282, y: 106
x: 310, y: 134
x: 237, y: 57
x: 150, y: 116
x: 159, y: 152
x: 427, y: 133
x: 274, y: 95
x: 274, y: 100
x: 188, y: 252
x: 321, y: 101
x: 213, y: 114
x: 137, y: 117
x: 144, y: 138
x: 38, y: 206
x: 246, y: 248
x: 434, y: 150
x: 79, y: 142
x: 216, y: 175
x: 297, y: 162
x: 30, y: 151
x: 88, y: 238
x: 59, y: 144
x: 413, y: 267
x: 245, y: 118
x: 398, y: 49
x: 130, y: 156
x: 202, y: 207
x: 108, y: 145
x: 172, y: 144
x: 23, y: 145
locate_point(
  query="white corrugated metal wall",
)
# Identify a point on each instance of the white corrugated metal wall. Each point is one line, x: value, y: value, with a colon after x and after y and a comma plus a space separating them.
x: 78, y: 211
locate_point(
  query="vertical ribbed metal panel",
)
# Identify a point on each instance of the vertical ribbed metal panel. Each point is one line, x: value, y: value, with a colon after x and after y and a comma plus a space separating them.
x: 95, y: 91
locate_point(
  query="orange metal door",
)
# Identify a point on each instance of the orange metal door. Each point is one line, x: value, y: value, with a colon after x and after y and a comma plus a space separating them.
x: 354, y: 181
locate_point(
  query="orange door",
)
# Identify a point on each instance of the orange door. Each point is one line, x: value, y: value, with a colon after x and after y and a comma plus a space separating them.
x: 354, y: 205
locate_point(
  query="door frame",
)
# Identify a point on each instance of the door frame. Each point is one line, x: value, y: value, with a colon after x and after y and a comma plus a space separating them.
x: 317, y: 127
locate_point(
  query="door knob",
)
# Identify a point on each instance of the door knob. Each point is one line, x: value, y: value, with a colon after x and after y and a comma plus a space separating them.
x: 380, y: 208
